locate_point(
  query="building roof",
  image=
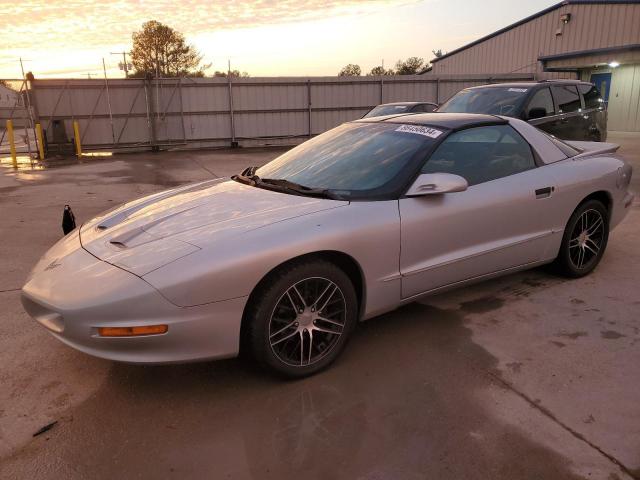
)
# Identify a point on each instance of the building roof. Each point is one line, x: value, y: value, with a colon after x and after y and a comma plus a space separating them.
x: 528, y: 19
x: 593, y: 51
x: 7, y: 89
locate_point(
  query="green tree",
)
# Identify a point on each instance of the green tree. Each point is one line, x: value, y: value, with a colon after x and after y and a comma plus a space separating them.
x: 160, y: 50
x: 380, y: 70
x: 350, y: 70
x: 410, y: 66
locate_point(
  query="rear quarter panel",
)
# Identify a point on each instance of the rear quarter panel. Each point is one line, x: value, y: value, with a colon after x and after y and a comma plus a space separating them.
x: 576, y: 179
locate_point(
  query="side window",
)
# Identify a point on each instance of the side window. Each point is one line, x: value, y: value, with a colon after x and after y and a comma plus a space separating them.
x: 591, y: 96
x: 567, y: 98
x: 423, y: 108
x: 540, y: 105
x: 482, y: 154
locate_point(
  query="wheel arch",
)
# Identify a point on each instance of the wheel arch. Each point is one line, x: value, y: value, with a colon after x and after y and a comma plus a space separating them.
x: 602, y: 196
x: 344, y: 261
x: 561, y: 263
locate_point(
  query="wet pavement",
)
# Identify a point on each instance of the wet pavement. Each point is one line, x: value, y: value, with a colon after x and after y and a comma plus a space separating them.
x: 525, y: 377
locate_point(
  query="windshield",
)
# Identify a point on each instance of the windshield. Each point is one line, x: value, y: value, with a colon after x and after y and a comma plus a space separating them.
x: 381, y: 110
x: 491, y: 100
x: 354, y: 159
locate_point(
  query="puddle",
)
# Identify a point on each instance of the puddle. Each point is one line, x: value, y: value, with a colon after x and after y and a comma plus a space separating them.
x: 23, y: 162
x: 27, y: 163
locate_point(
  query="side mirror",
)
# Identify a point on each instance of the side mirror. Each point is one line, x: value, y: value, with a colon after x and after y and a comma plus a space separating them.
x: 436, y: 183
x: 537, y: 113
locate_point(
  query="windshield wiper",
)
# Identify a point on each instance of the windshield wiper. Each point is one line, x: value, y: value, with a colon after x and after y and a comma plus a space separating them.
x: 249, y: 177
x: 300, y: 189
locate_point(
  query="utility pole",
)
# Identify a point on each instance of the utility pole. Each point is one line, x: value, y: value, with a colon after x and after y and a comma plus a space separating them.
x: 26, y: 87
x: 382, y: 83
x: 234, y: 144
x: 125, y: 65
x: 106, y: 86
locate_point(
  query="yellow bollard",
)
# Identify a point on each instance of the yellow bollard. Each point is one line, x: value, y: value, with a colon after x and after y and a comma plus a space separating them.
x: 76, y: 134
x: 40, y: 140
x: 12, y: 143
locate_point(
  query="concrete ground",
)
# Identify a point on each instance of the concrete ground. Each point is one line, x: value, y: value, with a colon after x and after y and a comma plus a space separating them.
x: 525, y: 377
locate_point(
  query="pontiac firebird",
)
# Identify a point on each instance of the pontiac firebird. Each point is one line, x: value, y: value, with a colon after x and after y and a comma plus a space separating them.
x: 283, y: 261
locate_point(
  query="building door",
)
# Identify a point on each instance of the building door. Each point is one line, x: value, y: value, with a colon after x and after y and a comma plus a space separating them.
x: 603, y: 82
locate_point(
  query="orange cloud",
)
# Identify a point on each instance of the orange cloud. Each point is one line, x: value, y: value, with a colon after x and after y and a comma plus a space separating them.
x: 36, y: 24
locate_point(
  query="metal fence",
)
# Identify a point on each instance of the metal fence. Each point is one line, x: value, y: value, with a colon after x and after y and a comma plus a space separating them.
x: 15, y: 106
x: 205, y: 112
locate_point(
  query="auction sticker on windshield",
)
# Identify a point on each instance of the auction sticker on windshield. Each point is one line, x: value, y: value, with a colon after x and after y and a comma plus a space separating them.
x: 426, y: 131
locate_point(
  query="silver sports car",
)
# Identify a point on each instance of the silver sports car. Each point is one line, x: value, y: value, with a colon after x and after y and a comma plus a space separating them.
x: 283, y: 261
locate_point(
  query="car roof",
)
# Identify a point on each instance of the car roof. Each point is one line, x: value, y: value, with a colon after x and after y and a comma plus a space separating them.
x: 392, y: 104
x: 540, y: 83
x: 450, y: 121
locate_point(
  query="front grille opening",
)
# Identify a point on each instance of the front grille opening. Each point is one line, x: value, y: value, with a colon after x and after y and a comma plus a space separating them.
x: 47, y: 317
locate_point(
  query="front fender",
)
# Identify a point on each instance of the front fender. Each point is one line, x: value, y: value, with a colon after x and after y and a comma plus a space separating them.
x: 367, y: 231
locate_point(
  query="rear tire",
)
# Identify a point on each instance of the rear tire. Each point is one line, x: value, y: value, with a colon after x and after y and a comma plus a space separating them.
x: 584, y: 241
x: 301, y: 318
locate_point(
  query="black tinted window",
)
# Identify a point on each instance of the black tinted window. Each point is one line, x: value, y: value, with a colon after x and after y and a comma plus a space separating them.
x: 591, y: 96
x: 567, y: 98
x: 482, y: 154
x: 381, y: 110
x: 541, y: 100
x: 424, y: 108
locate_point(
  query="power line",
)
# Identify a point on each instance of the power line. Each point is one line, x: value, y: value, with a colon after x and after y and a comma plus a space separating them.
x: 123, y: 65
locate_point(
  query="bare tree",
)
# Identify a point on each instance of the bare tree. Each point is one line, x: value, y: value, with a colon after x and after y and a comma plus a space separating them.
x: 162, y: 51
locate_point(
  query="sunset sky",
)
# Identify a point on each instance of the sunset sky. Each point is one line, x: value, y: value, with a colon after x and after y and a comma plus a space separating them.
x: 69, y: 38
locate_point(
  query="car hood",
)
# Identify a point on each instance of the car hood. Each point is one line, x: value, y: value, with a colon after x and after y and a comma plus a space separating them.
x: 153, y: 231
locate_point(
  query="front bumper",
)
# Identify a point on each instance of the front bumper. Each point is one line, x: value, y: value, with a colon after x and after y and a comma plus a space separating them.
x: 72, y: 294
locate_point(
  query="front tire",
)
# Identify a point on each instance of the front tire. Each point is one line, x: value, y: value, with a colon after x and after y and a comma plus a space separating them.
x: 302, y: 318
x: 584, y: 241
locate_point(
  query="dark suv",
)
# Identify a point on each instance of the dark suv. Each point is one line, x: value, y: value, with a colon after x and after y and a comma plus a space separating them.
x: 567, y: 109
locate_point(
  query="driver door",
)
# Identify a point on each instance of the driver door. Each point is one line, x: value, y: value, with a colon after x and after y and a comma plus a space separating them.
x: 497, y: 224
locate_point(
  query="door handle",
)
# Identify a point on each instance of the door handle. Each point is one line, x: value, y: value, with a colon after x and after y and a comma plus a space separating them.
x: 544, y: 192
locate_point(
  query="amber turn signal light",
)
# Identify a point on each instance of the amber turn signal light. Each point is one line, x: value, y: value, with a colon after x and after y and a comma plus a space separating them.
x: 132, y: 331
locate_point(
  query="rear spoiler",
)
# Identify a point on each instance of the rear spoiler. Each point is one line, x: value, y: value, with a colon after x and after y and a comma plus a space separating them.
x: 588, y: 149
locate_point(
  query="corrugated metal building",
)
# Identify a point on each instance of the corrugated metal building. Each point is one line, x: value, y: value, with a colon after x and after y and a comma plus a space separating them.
x: 8, y: 97
x: 597, y: 41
